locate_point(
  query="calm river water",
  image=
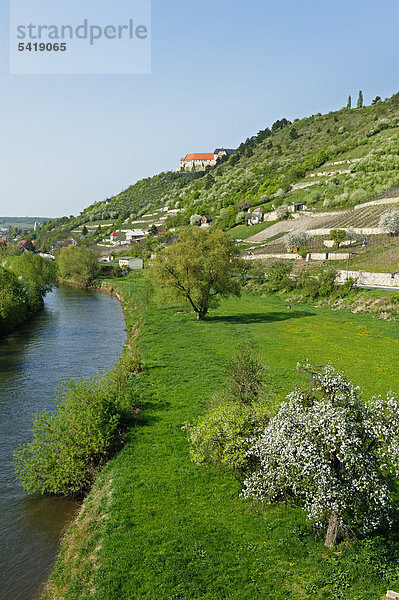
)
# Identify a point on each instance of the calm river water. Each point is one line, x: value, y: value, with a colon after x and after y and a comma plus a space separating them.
x: 77, y: 333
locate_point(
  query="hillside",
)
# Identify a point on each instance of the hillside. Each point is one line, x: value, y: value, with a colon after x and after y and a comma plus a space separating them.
x: 329, y: 162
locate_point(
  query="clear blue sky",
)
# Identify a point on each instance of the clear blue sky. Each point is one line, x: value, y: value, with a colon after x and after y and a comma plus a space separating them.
x: 220, y: 72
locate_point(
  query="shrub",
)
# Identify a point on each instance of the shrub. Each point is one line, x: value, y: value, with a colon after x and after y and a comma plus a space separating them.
x: 319, y: 283
x: 195, y: 220
x: 278, y: 276
x: 222, y: 435
x: 71, y: 444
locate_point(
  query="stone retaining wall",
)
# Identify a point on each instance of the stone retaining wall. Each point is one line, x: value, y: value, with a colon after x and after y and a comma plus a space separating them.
x: 367, y: 278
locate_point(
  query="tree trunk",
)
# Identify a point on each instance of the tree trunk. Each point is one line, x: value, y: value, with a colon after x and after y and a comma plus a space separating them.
x: 332, y: 530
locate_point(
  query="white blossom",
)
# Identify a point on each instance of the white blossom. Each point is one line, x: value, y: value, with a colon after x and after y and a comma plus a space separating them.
x: 330, y: 450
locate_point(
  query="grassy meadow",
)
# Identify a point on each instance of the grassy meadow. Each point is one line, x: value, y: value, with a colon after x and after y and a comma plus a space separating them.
x: 157, y: 527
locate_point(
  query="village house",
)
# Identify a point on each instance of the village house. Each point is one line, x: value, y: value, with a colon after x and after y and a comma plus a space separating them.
x: 254, y: 217
x: 132, y: 263
x: 63, y: 244
x: 114, y: 236
x: 206, y: 221
x: 133, y: 235
x: 297, y: 207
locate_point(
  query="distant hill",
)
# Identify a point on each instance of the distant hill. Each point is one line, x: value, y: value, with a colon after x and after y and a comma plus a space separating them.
x: 21, y: 222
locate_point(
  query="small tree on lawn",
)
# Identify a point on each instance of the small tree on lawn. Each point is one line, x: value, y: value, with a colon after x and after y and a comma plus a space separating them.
x: 198, y: 268
x: 334, y: 453
x: 223, y: 435
x: 389, y: 222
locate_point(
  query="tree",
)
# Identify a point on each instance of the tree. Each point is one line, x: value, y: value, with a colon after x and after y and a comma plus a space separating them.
x: 278, y: 276
x: 389, y: 222
x: 338, y: 236
x: 351, y: 234
x: 349, y: 103
x: 37, y: 274
x: 332, y: 452
x: 376, y: 100
x: 153, y: 231
x: 195, y: 220
x: 282, y: 212
x: 293, y: 133
x: 198, y: 268
x: 77, y: 263
x: 296, y: 239
x: 360, y: 100
x: 240, y: 217
x: 84, y: 230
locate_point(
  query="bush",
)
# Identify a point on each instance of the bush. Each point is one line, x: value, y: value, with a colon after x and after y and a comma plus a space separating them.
x: 222, y: 435
x: 278, y: 276
x: 282, y: 212
x: 317, y: 284
x: 87, y: 427
x: 195, y: 220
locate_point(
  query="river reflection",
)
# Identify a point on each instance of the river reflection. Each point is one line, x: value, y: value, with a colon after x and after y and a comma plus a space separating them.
x: 77, y: 334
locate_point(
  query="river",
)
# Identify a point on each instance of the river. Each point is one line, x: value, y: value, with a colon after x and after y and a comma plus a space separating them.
x: 78, y: 333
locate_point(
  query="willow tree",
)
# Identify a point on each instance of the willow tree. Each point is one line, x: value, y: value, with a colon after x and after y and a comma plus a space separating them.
x: 337, y: 455
x: 198, y: 268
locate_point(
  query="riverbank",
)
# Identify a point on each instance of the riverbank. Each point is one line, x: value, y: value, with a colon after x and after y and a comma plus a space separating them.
x: 78, y: 334
x: 157, y: 527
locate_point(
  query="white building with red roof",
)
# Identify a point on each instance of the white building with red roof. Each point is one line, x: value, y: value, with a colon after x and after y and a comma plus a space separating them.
x: 198, y: 161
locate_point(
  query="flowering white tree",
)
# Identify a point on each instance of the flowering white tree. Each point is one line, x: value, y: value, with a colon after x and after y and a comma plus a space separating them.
x: 389, y: 222
x: 296, y: 239
x: 332, y: 451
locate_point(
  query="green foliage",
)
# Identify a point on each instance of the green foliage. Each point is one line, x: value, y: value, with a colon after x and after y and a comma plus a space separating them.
x: 360, y: 100
x: 197, y: 268
x: 77, y: 263
x: 278, y: 276
x: 349, y: 103
x: 70, y: 445
x: 338, y: 236
x: 223, y: 434
x: 210, y: 544
x: 13, y: 301
x: 24, y: 280
x: 318, y: 283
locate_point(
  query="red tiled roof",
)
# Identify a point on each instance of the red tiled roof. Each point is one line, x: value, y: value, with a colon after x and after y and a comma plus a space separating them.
x: 200, y: 156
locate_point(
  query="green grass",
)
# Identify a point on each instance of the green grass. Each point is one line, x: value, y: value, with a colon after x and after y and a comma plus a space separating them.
x: 242, y: 232
x: 162, y: 528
